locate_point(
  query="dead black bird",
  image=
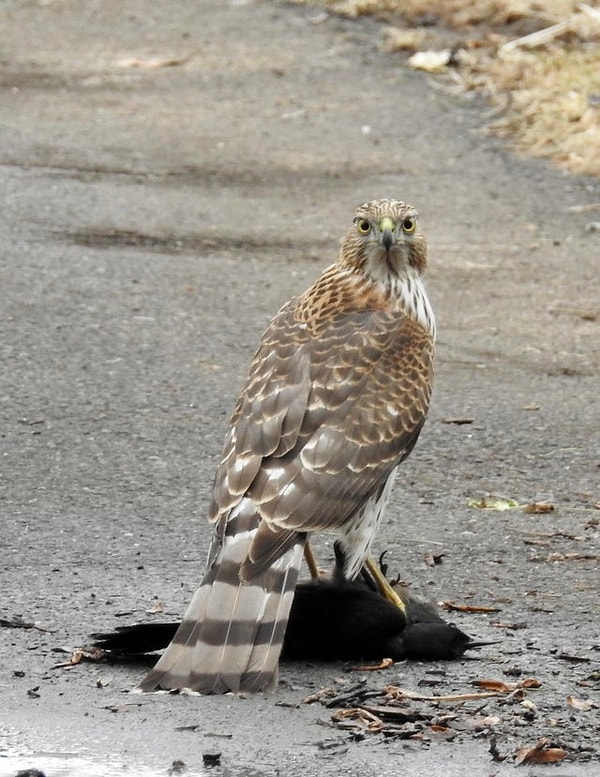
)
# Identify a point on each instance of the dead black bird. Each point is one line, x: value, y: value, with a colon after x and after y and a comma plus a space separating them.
x: 333, y: 621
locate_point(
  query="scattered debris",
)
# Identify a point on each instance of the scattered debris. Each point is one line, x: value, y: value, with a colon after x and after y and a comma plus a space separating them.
x: 432, y: 559
x: 494, y: 752
x: 499, y: 709
x: 211, y: 758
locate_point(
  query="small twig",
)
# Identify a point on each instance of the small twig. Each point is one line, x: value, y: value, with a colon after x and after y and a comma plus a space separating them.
x: 538, y: 38
x: 18, y: 623
x: 399, y: 692
x: 593, y: 12
x: 548, y: 34
x: 448, y: 605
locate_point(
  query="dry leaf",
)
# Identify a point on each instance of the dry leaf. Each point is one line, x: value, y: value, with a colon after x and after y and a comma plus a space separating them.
x: 152, y: 63
x: 80, y: 654
x: 527, y: 704
x: 494, y: 503
x: 501, y: 687
x: 538, y: 508
x: 580, y: 704
x: 430, y: 61
x: 486, y: 722
x: 320, y: 695
x: 495, y: 685
x: 530, y: 682
x: 511, y: 626
x: 540, y: 753
x: 433, y: 559
x: 366, y: 720
x: 385, y: 663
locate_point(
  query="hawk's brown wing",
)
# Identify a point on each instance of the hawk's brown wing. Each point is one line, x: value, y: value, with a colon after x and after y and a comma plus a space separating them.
x: 324, y: 417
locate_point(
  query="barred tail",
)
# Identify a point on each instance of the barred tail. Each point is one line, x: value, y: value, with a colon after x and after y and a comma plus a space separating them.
x: 232, y: 632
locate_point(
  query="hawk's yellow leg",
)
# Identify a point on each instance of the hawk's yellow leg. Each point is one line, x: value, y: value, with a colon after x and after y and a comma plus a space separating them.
x: 383, y: 586
x: 311, y: 561
x: 381, y: 582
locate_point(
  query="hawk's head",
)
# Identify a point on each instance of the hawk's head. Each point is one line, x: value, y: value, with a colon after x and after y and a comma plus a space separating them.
x: 385, y: 241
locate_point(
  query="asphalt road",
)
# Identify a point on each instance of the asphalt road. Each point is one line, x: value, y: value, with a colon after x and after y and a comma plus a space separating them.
x: 170, y: 174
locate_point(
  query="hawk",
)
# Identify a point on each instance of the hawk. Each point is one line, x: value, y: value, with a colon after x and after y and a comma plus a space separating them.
x: 336, y: 396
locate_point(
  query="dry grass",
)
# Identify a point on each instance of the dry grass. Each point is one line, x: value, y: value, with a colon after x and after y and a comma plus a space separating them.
x: 459, y: 13
x: 550, y: 104
x: 547, y: 92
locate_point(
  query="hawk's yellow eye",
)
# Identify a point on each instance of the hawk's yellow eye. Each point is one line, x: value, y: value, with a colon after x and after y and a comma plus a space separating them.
x: 363, y: 226
x: 409, y: 225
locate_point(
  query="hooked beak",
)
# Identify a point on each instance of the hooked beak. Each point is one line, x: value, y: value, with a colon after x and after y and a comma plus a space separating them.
x: 387, y: 232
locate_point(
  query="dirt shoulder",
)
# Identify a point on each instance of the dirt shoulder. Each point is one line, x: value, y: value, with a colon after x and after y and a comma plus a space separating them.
x: 171, y: 176
x: 536, y: 64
